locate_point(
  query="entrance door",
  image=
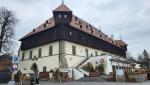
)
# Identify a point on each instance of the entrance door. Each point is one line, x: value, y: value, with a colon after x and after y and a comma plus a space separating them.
x: 34, y: 67
x: 114, y: 73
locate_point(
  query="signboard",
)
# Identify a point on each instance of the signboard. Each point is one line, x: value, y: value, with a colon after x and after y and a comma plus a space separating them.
x: 11, y: 83
x: 119, y: 72
x: 15, y: 60
x: 14, y: 66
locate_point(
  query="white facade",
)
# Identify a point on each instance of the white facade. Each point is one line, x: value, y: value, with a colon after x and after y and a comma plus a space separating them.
x: 51, y: 62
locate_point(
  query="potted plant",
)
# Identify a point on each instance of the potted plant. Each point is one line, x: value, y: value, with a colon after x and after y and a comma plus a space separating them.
x: 100, y: 68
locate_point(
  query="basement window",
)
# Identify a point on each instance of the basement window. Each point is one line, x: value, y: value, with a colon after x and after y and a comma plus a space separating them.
x: 44, y: 69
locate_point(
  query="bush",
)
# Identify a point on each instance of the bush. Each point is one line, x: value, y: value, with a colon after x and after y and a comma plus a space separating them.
x: 100, y: 68
x: 88, y: 67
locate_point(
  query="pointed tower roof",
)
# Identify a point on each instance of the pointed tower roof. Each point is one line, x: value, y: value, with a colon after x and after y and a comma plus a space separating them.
x: 62, y: 7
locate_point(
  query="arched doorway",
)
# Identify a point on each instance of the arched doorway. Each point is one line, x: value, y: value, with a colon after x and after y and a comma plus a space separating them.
x: 34, y: 67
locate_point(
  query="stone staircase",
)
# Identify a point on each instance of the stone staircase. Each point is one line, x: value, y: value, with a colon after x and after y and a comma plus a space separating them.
x: 82, y: 62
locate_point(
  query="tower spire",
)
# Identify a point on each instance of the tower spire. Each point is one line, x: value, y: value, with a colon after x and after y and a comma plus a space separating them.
x: 62, y: 1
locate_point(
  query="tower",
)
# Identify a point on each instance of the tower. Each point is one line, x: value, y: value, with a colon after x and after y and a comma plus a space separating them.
x: 62, y: 15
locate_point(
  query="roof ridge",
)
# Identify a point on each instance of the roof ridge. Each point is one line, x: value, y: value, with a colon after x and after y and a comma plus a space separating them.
x: 62, y: 7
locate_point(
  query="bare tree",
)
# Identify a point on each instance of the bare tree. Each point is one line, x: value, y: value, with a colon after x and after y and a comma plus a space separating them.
x: 144, y: 59
x: 8, y: 21
x: 145, y: 54
x: 139, y: 58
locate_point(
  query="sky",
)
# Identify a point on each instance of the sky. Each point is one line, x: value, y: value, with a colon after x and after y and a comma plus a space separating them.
x: 128, y: 20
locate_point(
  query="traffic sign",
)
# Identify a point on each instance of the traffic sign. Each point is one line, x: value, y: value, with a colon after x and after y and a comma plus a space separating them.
x: 15, y: 60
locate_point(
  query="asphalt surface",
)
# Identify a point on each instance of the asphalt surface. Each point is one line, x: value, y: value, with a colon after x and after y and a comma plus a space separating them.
x: 88, y: 83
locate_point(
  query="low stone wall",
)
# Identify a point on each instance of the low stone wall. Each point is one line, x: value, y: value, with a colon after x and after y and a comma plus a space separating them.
x: 120, y: 78
x: 139, y: 77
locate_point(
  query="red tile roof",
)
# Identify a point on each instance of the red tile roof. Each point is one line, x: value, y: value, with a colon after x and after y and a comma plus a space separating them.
x: 78, y: 24
x: 62, y: 7
x: 120, y: 42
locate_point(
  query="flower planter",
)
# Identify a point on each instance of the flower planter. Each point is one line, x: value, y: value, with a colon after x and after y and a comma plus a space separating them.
x: 93, y: 74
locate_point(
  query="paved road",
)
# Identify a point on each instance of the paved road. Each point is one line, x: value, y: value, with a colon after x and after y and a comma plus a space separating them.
x: 96, y: 83
x: 90, y: 83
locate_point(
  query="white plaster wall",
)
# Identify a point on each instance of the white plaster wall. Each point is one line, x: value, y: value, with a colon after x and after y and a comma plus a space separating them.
x: 77, y: 74
x: 80, y: 49
x: 108, y: 67
x: 49, y: 61
x: 74, y: 60
x: 45, y: 50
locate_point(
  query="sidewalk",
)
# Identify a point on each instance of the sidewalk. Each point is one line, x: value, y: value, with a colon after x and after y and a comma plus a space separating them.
x: 86, y: 83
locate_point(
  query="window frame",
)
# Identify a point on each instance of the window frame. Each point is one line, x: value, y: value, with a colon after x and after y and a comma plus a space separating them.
x: 73, y: 50
x: 39, y: 52
x: 50, y: 50
x: 30, y: 55
x: 23, y: 55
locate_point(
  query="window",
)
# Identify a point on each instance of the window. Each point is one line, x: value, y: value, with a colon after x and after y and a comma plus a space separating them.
x: 44, y: 25
x: 40, y: 53
x: 83, y: 38
x: 73, y: 50
x: 46, y: 21
x: 100, y: 36
x: 75, y: 18
x: 96, y: 54
x: 91, y: 54
x: 44, y: 69
x: 65, y: 16
x: 91, y: 31
x: 50, y: 50
x: 70, y: 33
x: 59, y: 16
x: 86, y: 53
x: 80, y: 26
x: 23, y: 55
x: 30, y: 57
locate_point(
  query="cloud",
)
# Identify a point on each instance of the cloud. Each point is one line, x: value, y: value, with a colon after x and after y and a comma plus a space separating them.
x: 128, y: 18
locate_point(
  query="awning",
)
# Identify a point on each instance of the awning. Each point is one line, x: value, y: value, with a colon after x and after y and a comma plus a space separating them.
x: 64, y: 70
x: 27, y: 71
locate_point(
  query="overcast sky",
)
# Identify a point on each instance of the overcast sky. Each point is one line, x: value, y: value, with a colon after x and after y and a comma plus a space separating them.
x: 129, y: 19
